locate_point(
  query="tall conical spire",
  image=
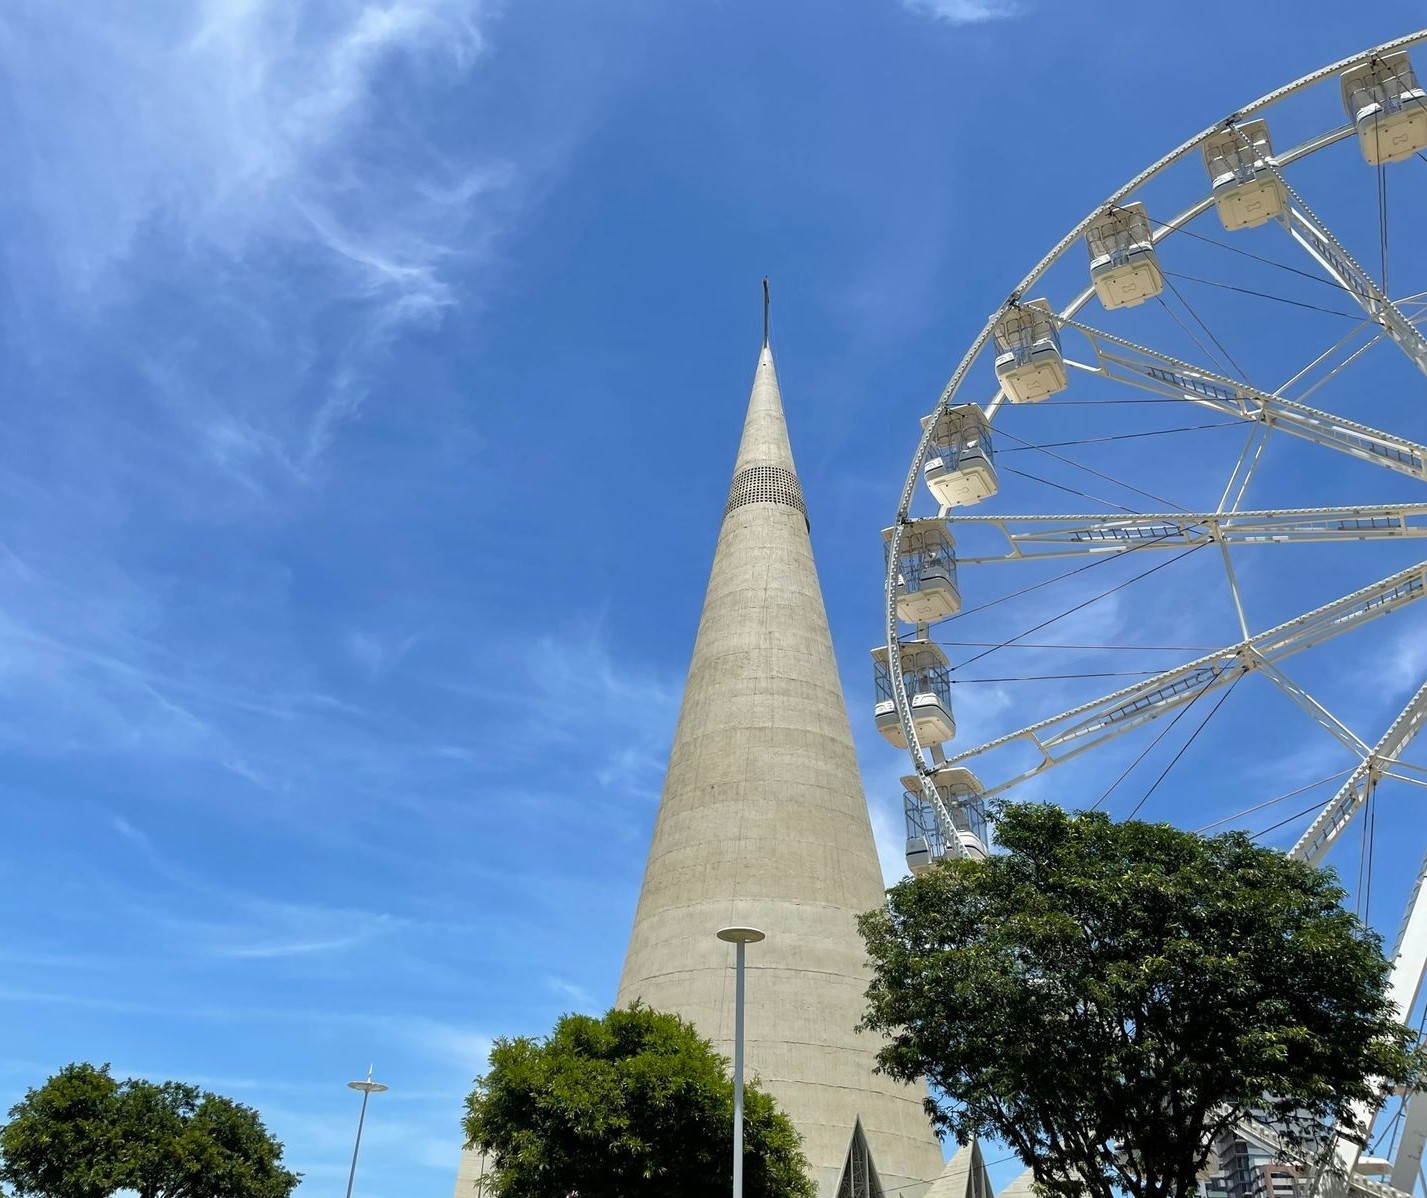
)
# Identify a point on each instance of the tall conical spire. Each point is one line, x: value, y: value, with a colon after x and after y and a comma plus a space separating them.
x: 763, y: 823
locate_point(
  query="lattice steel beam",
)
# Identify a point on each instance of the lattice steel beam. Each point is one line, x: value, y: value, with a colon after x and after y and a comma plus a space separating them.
x: 1061, y: 737
x: 1309, y: 231
x: 1070, y: 535
x: 1139, y: 366
x: 1339, y: 811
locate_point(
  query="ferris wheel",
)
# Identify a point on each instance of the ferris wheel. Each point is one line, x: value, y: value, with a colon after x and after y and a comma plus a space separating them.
x: 1158, y: 550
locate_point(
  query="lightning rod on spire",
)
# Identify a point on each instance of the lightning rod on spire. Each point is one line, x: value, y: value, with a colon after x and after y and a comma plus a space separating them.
x: 765, y: 311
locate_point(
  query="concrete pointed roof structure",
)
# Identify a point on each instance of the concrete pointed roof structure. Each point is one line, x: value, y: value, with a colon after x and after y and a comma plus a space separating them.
x: 965, y: 1176
x: 1022, y: 1186
x: 763, y: 823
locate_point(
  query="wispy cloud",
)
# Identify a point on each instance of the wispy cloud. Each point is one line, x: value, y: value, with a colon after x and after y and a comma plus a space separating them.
x: 965, y: 12
x: 243, y: 927
x: 241, y: 144
x: 570, y: 991
x: 440, y: 1040
x: 275, y: 930
x: 230, y: 122
x: 624, y: 711
x: 1405, y: 667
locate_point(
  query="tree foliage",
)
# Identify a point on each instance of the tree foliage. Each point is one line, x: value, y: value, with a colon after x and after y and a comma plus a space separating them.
x: 1105, y: 997
x: 85, y: 1135
x: 631, y: 1104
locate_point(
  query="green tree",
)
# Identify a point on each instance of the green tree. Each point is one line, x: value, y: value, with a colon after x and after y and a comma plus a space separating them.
x: 1105, y: 997
x: 629, y: 1105
x: 62, y: 1139
x: 84, y: 1135
x: 180, y: 1142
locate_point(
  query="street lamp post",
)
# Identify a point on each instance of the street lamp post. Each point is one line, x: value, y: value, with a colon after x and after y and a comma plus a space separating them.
x: 741, y: 938
x: 368, y: 1088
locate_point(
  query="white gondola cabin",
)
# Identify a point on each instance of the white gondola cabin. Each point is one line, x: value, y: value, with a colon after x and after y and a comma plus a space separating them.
x: 1387, y: 107
x: 961, y: 794
x: 926, y: 572
x: 1246, y: 191
x: 1124, y: 267
x: 927, y: 676
x: 960, y: 466
x: 1029, y: 365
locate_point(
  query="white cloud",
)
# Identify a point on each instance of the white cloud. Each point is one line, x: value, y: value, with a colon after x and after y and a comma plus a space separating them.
x: 237, y: 926
x: 570, y: 991
x: 228, y: 118
x: 965, y: 12
x: 589, y: 701
x: 465, y: 1048
x: 268, y: 931
x: 1405, y: 667
x: 269, y: 155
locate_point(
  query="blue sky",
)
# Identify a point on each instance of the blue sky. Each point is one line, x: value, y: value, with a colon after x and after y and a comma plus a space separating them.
x: 372, y: 374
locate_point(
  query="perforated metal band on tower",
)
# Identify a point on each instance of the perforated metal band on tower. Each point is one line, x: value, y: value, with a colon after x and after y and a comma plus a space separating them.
x: 766, y: 484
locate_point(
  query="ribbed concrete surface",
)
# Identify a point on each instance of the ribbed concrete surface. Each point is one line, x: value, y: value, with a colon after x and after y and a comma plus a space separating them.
x: 470, y: 1175
x: 1024, y: 1186
x: 965, y: 1176
x: 763, y: 822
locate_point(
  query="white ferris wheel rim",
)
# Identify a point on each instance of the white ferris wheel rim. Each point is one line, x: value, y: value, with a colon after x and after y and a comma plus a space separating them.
x: 1065, y: 317
x: 1410, y: 951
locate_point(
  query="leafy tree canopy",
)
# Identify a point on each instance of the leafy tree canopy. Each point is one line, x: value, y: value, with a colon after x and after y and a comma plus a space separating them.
x: 631, y: 1104
x: 84, y: 1135
x: 1105, y: 997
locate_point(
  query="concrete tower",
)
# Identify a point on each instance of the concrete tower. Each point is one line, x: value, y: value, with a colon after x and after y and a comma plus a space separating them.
x: 763, y: 823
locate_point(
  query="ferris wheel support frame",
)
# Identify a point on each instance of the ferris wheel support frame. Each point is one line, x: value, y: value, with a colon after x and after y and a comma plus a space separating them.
x: 1409, y: 953
x: 1056, y: 536
x: 1171, y: 378
x: 1059, y: 738
x: 1412, y: 946
x: 1388, y: 316
x: 1309, y: 231
x: 1339, y: 811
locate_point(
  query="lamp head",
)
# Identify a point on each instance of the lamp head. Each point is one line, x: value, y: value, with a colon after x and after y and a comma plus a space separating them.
x: 740, y: 935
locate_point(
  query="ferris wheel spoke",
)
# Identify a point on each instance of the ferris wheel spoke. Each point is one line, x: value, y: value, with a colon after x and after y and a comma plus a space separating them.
x: 1245, y: 468
x: 1408, y: 968
x: 1061, y: 737
x: 1406, y: 771
x: 1053, y: 536
x: 1334, y: 726
x: 1309, y: 231
x: 1326, y: 359
x: 1409, y: 964
x: 1329, y: 375
x: 1340, y: 810
x: 1126, y: 362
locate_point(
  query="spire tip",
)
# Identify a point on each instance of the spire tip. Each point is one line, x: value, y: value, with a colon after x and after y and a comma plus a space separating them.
x: 765, y: 311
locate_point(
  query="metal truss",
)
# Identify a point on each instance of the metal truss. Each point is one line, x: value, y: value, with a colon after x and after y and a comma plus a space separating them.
x: 1034, y: 537
x: 1409, y: 964
x: 1126, y: 362
x: 1339, y: 811
x: 1409, y: 955
x: 1062, y: 737
x: 1328, y: 252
